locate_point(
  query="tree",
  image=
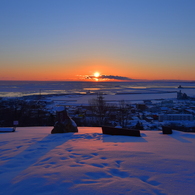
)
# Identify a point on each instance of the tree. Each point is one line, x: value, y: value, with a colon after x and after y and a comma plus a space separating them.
x: 100, y: 109
x: 123, y: 113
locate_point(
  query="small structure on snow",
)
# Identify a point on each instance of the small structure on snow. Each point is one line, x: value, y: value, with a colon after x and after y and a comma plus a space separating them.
x: 64, y: 123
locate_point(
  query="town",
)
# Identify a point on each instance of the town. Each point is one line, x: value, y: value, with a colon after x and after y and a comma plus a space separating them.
x: 178, y: 114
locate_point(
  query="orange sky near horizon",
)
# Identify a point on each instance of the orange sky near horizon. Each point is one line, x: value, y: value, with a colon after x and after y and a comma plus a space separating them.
x: 77, y: 71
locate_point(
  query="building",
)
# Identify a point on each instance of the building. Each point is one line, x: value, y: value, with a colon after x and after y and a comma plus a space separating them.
x: 175, y: 117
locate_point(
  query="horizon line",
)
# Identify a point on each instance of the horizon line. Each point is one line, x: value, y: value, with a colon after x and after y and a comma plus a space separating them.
x: 132, y: 80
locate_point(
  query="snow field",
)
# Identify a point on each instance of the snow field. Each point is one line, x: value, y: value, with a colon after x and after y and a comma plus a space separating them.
x: 33, y: 161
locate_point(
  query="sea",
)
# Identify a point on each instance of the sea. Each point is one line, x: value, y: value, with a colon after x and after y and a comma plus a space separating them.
x: 28, y: 88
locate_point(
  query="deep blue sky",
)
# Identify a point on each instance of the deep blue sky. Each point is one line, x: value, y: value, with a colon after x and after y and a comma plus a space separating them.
x: 146, y: 39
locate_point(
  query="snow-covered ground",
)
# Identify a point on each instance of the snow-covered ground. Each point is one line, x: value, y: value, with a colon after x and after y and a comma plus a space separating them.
x: 80, y: 100
x: 155, y: 96
x: 33, y: 161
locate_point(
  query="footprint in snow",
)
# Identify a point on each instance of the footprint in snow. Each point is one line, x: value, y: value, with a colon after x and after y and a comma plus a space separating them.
x: 85, y: 157
x: 98, y: 165
x: 75, y: 165
x: 118, y: 163
x: 95, y: 154
x: 69, y: 149
x: 98, y: 175
x: 151, y: 182
x: 18, y: 147
x: 118, y: 173
x: 45, y: 159
x: 63, y: 158
x: 103, y: 158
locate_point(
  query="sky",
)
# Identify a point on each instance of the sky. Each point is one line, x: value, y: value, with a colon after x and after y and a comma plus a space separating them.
x: 119, y: 39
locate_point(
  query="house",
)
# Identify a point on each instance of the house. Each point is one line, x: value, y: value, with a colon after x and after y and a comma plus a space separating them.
x: 175, y: 117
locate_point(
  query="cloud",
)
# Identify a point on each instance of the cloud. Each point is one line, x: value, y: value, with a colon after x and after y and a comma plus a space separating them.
x: 107, y: 77
x: 115, y: 77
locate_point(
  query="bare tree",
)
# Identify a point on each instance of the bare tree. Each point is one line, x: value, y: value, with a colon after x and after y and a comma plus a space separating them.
x: 100, y: 109
x: 123, y: 113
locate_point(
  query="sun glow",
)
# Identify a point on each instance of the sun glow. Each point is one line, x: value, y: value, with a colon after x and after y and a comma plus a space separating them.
x: 96, y: 74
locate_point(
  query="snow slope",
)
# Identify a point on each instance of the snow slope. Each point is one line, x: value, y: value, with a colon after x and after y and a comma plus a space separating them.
x: 33, y: 161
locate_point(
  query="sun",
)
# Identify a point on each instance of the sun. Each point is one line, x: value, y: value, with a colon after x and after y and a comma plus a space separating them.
x: 96, y: 74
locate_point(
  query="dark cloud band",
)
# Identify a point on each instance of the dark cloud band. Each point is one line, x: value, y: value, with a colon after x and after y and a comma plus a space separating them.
x: 111, y: 77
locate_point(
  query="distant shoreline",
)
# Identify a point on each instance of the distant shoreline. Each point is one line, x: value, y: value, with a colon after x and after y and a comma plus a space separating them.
x: 49, y: 88
x: 114, y: 81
